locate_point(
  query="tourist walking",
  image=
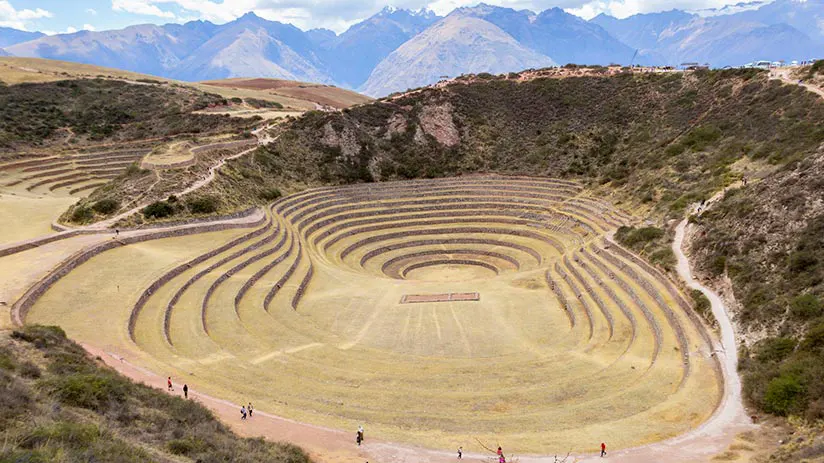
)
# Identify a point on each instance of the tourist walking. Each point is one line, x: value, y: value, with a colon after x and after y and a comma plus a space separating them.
x: 169, y: 383
x: 359, y: 439
x: 250, y: 409
x: 603, y: 450
x: 242, y: 412
x: 460, y: 453
x: 185, y: 391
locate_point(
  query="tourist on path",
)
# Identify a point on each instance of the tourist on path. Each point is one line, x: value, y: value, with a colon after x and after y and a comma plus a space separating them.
x: 242, y: 412
x: 460, y: 453
x: 360, y: 435
x: 185, y: 391
x: 250, y: 409
x: 169, y: 383
x: 603, y: 450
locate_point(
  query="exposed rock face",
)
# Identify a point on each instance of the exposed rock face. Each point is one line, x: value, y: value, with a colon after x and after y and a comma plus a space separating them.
x: 346, y: 140
x: 437, y: 121
x: 395, y: 125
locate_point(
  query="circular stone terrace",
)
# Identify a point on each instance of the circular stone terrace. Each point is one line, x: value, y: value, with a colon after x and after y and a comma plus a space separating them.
x: 432, y: 311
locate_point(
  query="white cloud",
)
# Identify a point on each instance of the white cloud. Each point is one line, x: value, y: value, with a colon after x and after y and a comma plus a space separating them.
x: 142, y: 7
x: 72, y: 30
x: 624, y: 8
x: 18, y: 19
x: 340, y: 14
x: 91, y: 11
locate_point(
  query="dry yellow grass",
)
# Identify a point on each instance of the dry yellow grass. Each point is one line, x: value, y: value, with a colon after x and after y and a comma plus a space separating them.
x: 507, y: 368
x: 25, y: 215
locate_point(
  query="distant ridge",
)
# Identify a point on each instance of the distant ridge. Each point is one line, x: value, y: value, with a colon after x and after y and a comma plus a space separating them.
x: 375, y: 55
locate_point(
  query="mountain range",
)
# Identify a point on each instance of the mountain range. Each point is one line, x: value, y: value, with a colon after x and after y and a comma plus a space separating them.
x: 398, y: 49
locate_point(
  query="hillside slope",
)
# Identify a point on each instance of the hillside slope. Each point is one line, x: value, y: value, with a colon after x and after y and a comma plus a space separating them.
x: 87, y: 412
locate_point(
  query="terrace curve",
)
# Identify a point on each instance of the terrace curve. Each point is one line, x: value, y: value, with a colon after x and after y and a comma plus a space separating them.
x: 302, y: 314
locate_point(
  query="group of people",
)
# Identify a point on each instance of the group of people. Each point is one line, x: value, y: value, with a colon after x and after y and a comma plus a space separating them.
x: 246, y: 410
x: 171, y: 388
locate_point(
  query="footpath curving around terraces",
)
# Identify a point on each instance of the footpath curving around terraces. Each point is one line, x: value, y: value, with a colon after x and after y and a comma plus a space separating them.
x: 302, y: 315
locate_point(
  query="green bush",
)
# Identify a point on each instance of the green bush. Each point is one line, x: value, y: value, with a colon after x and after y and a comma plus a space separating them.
x: 186, y: 446
x: 158, y: 210
x: 806, y: 307
x: 814, y: 338
x: 775, y: 349
x: 7, y: 360
x: 802, y: 261
x: 270, y: 194
x: 259, y: 104
x: 784, y: 395
x: 701, y: 304
x: 29, y: 370
x: 106, y: 206
x: 203, y: 205
x: 632, y: 237
x: 41, y: 336
x: 66, y: 433
x: 82, y: 214
x: 95, y: 391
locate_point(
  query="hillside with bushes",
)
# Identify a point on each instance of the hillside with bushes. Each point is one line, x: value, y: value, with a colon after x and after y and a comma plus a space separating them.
x: 58, y: 404
x: 661, y: 140
x: 94, y: 110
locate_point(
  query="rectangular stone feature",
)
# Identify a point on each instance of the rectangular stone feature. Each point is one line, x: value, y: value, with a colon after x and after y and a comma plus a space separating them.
x: 443, y: 297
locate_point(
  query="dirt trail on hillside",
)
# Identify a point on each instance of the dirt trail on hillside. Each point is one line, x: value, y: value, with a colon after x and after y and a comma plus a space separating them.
x: 784, y: 76
x: 262, y: 140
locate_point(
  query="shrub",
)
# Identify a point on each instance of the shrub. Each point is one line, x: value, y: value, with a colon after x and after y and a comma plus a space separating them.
x: 775, y: 349
x: 15, y: 398
x: 82, y: 214
x: 96, y: 391
x: 29, y: 370
x: 236, y: 100
x: 187, y: 446
x: 631, y: 236
x: 203, y: 205
x: 702, y: 304
x: 75, y: 435
x: 7, y: 361
x: 41, y: 336
x: 802, y: 261
x: 806, y: 306
x: 106, y: 206
x: 158, y: 210
x: 270, y: 194
x: 814, y: 338
x: 784, y: 395
x: 258, y: 103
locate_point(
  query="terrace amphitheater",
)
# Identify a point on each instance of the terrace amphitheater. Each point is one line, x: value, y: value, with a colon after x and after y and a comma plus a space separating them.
x: 431, y: 311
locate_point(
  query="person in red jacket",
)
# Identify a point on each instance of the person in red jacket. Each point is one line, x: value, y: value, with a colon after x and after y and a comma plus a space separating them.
x: 603, y: 450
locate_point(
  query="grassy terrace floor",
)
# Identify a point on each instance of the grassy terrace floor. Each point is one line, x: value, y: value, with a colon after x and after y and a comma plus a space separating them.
x: 572, y: 341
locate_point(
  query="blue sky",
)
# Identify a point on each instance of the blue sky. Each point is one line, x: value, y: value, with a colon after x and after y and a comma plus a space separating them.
x: 60, y: 16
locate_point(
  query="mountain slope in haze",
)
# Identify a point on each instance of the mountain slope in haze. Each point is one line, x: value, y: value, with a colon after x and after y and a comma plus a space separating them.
x: 354, y: 54
x: 198, y: 50
x: 147, y: 48
x: 564, y: 37
x: 807, y: 16
x: 9, y: 36
x: 252, y: 46
x: 766, y: 32
x: 457, y: 44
